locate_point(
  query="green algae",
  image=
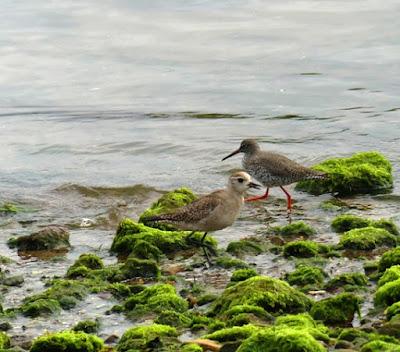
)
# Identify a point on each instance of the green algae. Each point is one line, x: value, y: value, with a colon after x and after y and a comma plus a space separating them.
x: 365, y: 172
x: 347, y: 222
x: 145, y: 268
x: 229, y: 262
x: 298, y: 228
x: 191, y: 347
x: 393, y: 310
x: 339, y: 309
x: 367, y: 238
x: 4, y: 340
x: 172, y: 318
x: 390, y: 274
x: 380, y: 346
x: 242, y: 274
x: 303, y: 249
x: 68, y: 341
x: 273, y: 295
x: 388, y: 294
x: 168, y: 203
x: 233, y: 333
x: 83, y: 265
x: 87, y: 326
x: 389, y: 258
x: 306, y: 275
x: 40, y: 307
x: 245, y: 247
x: 349, y: 281
x: 145, y: 250
x: 141, y: 338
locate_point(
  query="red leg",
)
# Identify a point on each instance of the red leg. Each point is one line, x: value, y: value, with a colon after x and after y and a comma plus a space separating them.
x: 289, y: 199
x: 251, y: 199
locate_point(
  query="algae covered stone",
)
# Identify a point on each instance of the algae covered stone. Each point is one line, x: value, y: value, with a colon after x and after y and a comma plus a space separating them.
x: 367, y: 238
x: 4, y: 340
x: 380, y: 346
x: 390, y: 274
x: 347, y: 222
x: 306, y: 275
x: 40, y: 307
x: 298, y: 228
x: 68, y: 341
x: 349, y: 281
x: 242, y: 274
x: 244, y: 247
x: 365, y: 172
x: 302, y: 249
x: 388, y: 294
x: 134, y: 268
x: 389, y: 259
x: 273, y: 295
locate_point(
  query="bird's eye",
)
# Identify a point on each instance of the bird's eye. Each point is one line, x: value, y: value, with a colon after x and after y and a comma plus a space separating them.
x: 240, y: 180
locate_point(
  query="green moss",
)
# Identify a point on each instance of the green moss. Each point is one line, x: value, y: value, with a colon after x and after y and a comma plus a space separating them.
x: 367, y: 238
x: 366, y: 172
x: 88, y: 326
x: 389, y: 259
x: 134, y: 268
x: 273, y: 295
x: 8, y: 208
x: 248, y: 309
x: 68, y: 341
x: 283, y: 339
x: 388, y: 294
x: 349, y: 281
x: 172, y: 318
x: 233, y: 333
x: 145, y: 250
x: 244, y: 247
x: 168, y: 203
x: 191, y: 347
x: 347, y: 222
x: 380, y: 346
x: 242, y: 274
x: 206, y: 298
x: 144, y: 337
x: 83, y: 265
x: 390, y: 274
x: 306, y: 275
x: 229, y: 262
x: 336, y: 310
x: 351, y: 334
x: 298, y: 228
x: 303, y: 249
x: 333, y: 204
x: 393, y: 310
x: 4, y: 340
x: 75, y: 272
x: 130, y: 234
x: 386, y: 224
x: 40, y: 307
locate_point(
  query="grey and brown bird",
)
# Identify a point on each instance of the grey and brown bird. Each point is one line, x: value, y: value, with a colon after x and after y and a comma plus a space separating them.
x: 272, y: 169
x: 211, y: 212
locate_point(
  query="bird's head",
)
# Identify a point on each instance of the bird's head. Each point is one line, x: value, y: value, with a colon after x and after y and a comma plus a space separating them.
x: 241, y: 182
x: 248, y: 146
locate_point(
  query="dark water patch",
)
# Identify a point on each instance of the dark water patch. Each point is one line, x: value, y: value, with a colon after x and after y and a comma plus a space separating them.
x: 296, y: 117
x: 357, y: 108
x: 310, y: 74
x: 212, y: 116
x: 356, y: 88
x: 392, y: 110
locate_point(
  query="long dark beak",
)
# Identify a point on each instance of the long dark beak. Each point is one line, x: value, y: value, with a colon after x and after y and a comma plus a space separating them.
x: 231, y: 154
x: 254, y: 185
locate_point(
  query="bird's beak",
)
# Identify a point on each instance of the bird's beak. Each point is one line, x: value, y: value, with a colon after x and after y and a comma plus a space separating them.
x: 232, y: 154
x: 254, y: 185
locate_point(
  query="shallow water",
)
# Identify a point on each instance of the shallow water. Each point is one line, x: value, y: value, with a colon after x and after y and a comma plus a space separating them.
x: 103, y: 106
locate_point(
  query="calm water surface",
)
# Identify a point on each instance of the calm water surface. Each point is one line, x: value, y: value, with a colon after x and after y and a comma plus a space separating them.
x: 104, y: 104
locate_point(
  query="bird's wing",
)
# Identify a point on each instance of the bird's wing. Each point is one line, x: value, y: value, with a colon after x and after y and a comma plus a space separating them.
x: 279, y: 165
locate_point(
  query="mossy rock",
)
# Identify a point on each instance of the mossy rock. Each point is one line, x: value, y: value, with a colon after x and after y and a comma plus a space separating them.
x: 83, y: 265
x: 380, y: 346
x: 244, y: 247
x: 367, y: 238
x: 134, y: 268
x: 249, y: 312
x: 68, y: 341
x: 4, y: 340
x: 393, y: 310
x: 348, y: 281
x: 233, y: 333
x: 172, y: 318
x: 40, y: 307
x: 227, y: 262
x: 298, y: 228
x: 283, y: 339
x: 51, y: 237
x: 168, y: 203
x: 305, y: 275
x: 366, y: 172
x: 389, y: 258
x: 191, y: 347
x: 242, y: 274
x: 145, y: 250
x: 347, y: 222
x: 388, y: 294
x: 8, y: 208
x: 151, y: 337
x: 131, y: 234
x: 301, y: 249
x: 273, y: 295
x: 390, y: 274
x: 337, y: 310
x: 88, y: 326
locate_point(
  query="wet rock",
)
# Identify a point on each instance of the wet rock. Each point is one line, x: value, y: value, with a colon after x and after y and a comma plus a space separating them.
x: 302, y: 249
x: 305, y: 275
x: 5, y: 326
x: 88, y: 326
x: 344, y: 345
x: 227, y: 262
x: 151, y: 337
x: 245, y: 247
x: 206, y: 298
x: 242, y: 274
x: 339, y: 309
x: 347, y: 222
x: 367, y: 238
x: 49, y: 238
x: 393, y: 310
x: 298, y: 228
x: 366, y: 172
x: 248, y: 314
x: 273, y: 295
x: 40, y: 307
x: 389, y: 259
x: 349, y: 281
x: 172, y: 318
x: 17, y: 280
x: 112, y: 339
x: 21, y: 342
x: 235, y: 333
x: 70, y: 341
x: 134, y: 268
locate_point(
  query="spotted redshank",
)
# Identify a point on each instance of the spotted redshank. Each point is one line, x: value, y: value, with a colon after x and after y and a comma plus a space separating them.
x: 211, y: 212
x: 272, y: 169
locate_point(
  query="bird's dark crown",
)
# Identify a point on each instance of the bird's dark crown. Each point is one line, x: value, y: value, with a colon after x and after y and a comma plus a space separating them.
x: 249, y: 146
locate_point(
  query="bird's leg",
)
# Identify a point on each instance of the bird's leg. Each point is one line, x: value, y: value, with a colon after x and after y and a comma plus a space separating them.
x: 189, y: 236
x: 203, y: 245
x: 289, y: 199
x: 252, y: 199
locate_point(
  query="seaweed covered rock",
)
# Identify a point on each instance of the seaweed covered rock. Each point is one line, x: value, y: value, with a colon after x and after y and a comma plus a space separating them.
x: 87, y: 326
x: 349, y: 281
x: 302, y: 249
x: 388, y: 294
x: 134, y: 268
x: 40, y: 307
x: 234, y: 333
x: 366, y: 172
x: 306, y: 275
x: 298, y: 228
x: 245, y: 247
x: 393, y: 310
x: 51, y: 237
x: 380, y: 346
x: 367, y: 238
x: 68, y: 341
x: 242, y: 274
x: 4, y: 340
x: 84, y: 264
x: 390, y: 274
x: 246, y: 313
x: 339, y: 309
x: 227, y: 262
x: 167, y: 204
x: 273, y: 295
x: 153, y: 336
x: 131, y: 234
x: 347, y: 222
x: 172, y: 318
x: 389, y: 259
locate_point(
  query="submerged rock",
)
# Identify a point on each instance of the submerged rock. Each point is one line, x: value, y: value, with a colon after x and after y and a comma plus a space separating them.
x: 87, y: 326
x: 366, y: 172
x: 51, y: 237
x: 367, y: 238
x: 70, y: 341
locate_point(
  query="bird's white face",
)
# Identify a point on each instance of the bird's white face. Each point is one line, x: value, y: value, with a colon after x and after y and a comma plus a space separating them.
x: 241, y: 182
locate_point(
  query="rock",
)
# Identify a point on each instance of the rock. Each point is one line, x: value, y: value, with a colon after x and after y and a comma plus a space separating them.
x: 390, y: 274
x: 347, y: 222
x: 367, y: 238
x: 227, y: 262
x: 342, y: 344
x: 195, y: 346
x: 349, y: 281
x: 134, y: 268
x: 41, y: 307
x: 305, y: 275
x: 242, y: 274
x: 245, y: 247
x: 172, y: 318
x: 5, y: 326
x: 235, y: 333
x: 366, y: 172
x: 16, y: 280
x: 393, y: 310
x: 302, y: 249
x: 389, y: 259
x: 379, y: 346
x: 70, y: 341
x: 339, y: 309
x: 388, y: 294
x: 88, y: 326
x: 49, y: 238
x: 298, y: 228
